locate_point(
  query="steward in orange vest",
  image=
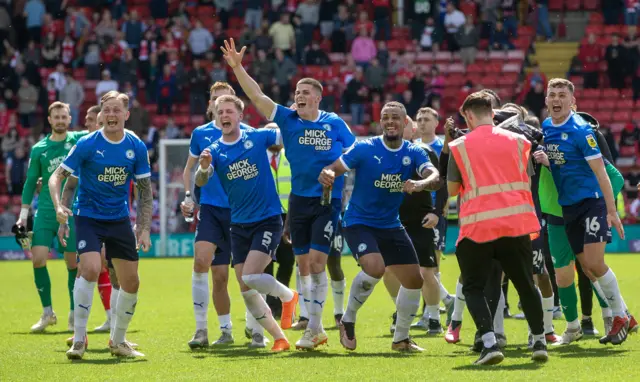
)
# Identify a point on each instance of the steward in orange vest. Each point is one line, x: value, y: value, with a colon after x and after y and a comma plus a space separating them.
x: 488, y: 168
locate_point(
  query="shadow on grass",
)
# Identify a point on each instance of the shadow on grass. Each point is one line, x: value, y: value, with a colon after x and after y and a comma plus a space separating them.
x: 500, y: 367
x: 575, y: 351
x: 50, y: 333
x: 109, y: 361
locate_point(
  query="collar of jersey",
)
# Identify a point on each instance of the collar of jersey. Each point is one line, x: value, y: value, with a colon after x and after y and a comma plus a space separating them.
x: 563, y: 122
x: 213, y: 123
x: 110, y: 141
x: 231, y: 143
x: 389, y: 148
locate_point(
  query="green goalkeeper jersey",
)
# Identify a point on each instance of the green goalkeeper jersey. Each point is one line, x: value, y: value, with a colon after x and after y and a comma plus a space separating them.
x: 548, y: 193
x: 45, y: 158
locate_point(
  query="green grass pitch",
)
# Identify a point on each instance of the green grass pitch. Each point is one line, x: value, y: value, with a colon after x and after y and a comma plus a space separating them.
x: 164, y: 323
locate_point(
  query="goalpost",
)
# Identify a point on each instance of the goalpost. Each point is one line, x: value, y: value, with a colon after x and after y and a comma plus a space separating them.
x: 172, y: 156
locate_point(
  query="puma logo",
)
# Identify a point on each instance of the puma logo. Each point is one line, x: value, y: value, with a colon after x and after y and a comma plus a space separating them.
x: 200, y: 304
x: 85, y: 307
x: 378, y: 159
x: 321, y: 303
x: 208, y: 139
x: 101, y: 152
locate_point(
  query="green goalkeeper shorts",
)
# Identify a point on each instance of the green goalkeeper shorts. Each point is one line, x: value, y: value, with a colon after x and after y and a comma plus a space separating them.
x: 45, y: 230
x: 559, y: 246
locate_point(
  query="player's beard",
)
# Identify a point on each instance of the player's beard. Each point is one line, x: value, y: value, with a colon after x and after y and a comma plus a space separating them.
x: 60, y: 129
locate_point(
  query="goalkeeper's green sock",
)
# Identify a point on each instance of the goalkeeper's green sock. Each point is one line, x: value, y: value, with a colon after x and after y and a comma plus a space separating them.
x: 43, y: 284
x: 569, y: 302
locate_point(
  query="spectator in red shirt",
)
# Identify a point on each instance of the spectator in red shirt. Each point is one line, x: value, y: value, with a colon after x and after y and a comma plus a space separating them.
x: 166, y: 90
x: 381, y: 13
x: 364, y: 22
x: 530, y: 80
x: 590, y: 54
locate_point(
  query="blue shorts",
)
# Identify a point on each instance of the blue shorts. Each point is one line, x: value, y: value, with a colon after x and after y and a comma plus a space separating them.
x: 312, y: 224
x: 586, y: 223
x: 337, y: 245
x: 213, y: 227
x: 117, y: 236
x: 539, y: 248
x: 392, y: 243
x: 440, y: 234
x: 263, y: 236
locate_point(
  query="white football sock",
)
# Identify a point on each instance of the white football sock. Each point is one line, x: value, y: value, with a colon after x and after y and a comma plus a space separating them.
x: 267, y: 284
x: 498, y: 319
x: 82, y: 298
x: 301, y: 303
x: 200, y: 295
x: 305, y: 292
x: 261, y: 312
x: 126, y: 308
x: 407, y: 306
x: 337, y: 288
x: 114, y: 307
x: 361, y: 288
x: 445, y: 297
x: 489, y: 339
x: 609, y: 285
x: 547, y: 314
x: 432, y: 312
x: 225, y: 322
x: 458, y: 304
x: 319, y: 289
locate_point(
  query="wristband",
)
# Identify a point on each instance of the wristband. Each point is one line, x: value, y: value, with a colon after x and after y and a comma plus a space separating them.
x: 24, y: 214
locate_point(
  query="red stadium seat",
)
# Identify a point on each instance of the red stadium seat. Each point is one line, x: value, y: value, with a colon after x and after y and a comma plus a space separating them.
x: 515, y: 55
x: 611, y: 94
x: 596, y: 18
x: 626, y: 93
x: 498, y: 55
x: 475, y: 68
x: 16, y: 199
x: 337, y: 57
x: 605, y: 104
x: 573, y: 5
x: 4, y: 200
x: 592, y: 5
x: 511, y: 68
x: 624, y: 105
x: 588, y: 105
x: 556, y: 5
x: 635, y: 116
x: 455, y: 68
x: 425, y: 57
x: 591, y: 93
x: 444, y: 56
x: 456, y: 80
x: 621, y: 116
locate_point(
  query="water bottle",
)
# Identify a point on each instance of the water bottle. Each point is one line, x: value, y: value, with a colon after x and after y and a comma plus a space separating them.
x: 326, y: 196
x: 188, y: 199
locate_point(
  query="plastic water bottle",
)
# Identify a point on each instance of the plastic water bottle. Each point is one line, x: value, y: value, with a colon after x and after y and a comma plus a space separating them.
x: 188, y: 199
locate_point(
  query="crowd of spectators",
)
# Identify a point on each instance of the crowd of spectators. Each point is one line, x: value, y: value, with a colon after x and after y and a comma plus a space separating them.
x: 165, y: 53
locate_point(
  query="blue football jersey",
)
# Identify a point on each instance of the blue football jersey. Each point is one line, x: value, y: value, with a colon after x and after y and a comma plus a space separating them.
x: 311, y: 146
x: 436, y: 145
x: 105, y: 169
x: 380, y: 176
x: 245, y: 174
x: 201, y: 138
x: 569, y: 147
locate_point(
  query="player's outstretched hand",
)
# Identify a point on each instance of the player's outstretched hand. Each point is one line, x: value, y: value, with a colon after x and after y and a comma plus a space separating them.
x: 411, y: 186
x: 430, y: 220
x: 231, y: 55
x: 143, y: 238
x: 614, y: 221
x: 63, y: 233
x: 205, y: 159
x: 327, y: 177
x: 541, y: 157
x: 62, y: 214
x: 187, y: 207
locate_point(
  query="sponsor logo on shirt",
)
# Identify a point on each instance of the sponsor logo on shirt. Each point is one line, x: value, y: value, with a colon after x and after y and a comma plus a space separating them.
x: 114, y: 174
x: 391, y: 182
x: 242, y: 169
x: 554, y: 154
x: 316, y: 138
x: 592, y: 141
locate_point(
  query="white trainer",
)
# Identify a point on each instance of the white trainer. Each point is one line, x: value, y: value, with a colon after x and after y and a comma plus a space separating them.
x: 104, y: 328
x: 258, y: 340
x: 125, y: 350
x: 311, y: 339
x: 77, y: 350
x: 44, y: 321
x: 422, y: 323
x: 570, y: 336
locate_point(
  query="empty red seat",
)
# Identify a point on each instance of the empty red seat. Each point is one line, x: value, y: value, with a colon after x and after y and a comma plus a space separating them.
x: 16, y: 199
x: 635, y: 116
x: 588, y: 105
x: 624, y: 104
x: 592, y: 5
x: 181, y: 119
x: 604, y: 104
x: 573, y: 5
x: 621, y: 116
x: 4, y: 200
x: 596, y: 29
x: 611, y: 93
x: 475, y: 68
x: 556, y: 5
x: 591, y: 93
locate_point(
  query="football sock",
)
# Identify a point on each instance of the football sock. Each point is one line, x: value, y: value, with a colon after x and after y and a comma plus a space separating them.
x: 445, y: 297
x: 104, y: 288
x: 267, y: 284
x: 319, y: 289
x: 547, y: 314
x: 432, y: 312
x: 301, y: 303
x: 361, y: 288
x: 114, y: 306
x: 609, y: 285
x: 71, y: 281
x: 498, y: 319
x: 458, y: 304
x: 569, y: 302
x: 337, y: 288
x: 597, y: 289
x: 261, y: 313
x: 126, y: 308
x: 407, y: 305
x: 83, y: 291
x: 43, y: 284
x: 225, y: 322
x: 200, y: 295
x: 305, y: 295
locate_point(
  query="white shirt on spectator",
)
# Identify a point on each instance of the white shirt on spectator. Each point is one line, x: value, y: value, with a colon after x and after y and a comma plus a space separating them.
x: 105, y: 86
x: 453, y: 21
x: 58, y: 79
x: 426, y: 41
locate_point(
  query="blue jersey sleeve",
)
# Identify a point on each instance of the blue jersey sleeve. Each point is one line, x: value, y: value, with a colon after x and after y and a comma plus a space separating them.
x: 194, y: 149
x: 76, y: 156
x: 142, y: 167
x: 351, y: 159
x: 345, y: 135
x: 588, y: 145
x: 271, y: 137
x: 280, y: 115
x: 420, y: 159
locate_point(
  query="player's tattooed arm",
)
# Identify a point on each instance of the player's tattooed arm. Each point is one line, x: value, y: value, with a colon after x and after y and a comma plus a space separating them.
x: 55, y: 184
x: 145, y: 204
x: 69, y: 191
x: 204, y: 170
x: 431, y: 179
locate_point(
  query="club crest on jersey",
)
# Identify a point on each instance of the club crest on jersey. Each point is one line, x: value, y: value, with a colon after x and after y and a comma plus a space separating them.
x: 67, y: 146
x: 406, y: 160
x: 130, y: 154
x: 327, y: 127
x: 564, y: 136
x: 362, y: 247
x: 82, y: 244
x: 248, y: 145
x: 592, y: 141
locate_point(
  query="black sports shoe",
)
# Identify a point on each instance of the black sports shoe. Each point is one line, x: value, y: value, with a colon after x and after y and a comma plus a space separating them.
x: 338, y: 318
x: 434, y: 327
x: 478, y: 345
x: 540, y: 352
x: 392, y: 329
x: 587, y: 327
x: 490, y: 356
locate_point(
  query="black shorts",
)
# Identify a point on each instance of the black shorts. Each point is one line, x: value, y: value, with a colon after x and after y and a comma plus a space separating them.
x: 423, y: 240
x: 586, y: 223
x: 263, y: 236
x: 538, y: 248
x: 312, y: 224
x: 214, y: 227
x: 440, y: 234
x: 392, y: 243
x: 337, y: 244
x: 117, y: 236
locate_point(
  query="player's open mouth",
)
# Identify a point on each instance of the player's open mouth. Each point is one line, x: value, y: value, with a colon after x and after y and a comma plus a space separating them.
x: 112, y: 122
x: 556, y: 109
x: 226, y: 124
x: 301, y: 104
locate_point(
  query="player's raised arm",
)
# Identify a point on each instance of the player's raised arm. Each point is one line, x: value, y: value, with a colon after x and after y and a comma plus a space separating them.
x: 204, y: 170
x: 29, y: 189
x: 264, y: 104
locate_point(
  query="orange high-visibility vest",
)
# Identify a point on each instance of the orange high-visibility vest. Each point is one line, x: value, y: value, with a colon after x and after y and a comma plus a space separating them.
x: 495, y: 198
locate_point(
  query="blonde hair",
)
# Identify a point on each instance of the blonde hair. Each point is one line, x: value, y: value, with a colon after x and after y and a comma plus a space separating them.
x: 233, y: 99
x: 219, y: 85
x: 561, y: 83
x: 58, y: 105
x: 115, y: 95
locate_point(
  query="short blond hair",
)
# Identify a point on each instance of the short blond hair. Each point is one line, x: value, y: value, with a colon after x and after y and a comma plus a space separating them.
x: 233, y: 99
x: 220, y: 85
x: 559, y: 83
x: 58, y: 105
x: 428, y: 110
x: 117, y: 95
x: 313, y: 82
